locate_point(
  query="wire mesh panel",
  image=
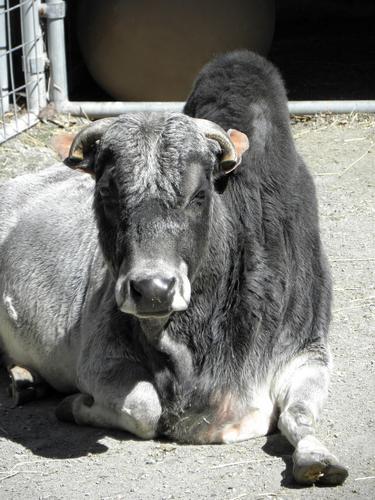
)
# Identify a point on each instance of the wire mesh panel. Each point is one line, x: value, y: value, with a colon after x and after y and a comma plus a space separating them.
x: 22, y: 66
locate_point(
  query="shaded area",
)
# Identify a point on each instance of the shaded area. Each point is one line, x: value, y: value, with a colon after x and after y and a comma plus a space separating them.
x: 35, y: 426
x: 324, y: 50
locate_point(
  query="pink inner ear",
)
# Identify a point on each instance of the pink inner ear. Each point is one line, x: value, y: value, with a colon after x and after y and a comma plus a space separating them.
x: 61, y: 144
x: 240, y: 141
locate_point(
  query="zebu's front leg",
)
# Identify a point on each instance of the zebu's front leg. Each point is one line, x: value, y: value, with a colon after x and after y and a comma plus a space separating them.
x: 302, y: 389
x: 122, y: 399
x: 25, y: 385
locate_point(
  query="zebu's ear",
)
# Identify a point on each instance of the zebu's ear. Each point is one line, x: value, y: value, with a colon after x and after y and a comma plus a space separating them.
x: 83, y: 148
x: 240, y: 142
x: 61, y: 143
x: 233, y: 143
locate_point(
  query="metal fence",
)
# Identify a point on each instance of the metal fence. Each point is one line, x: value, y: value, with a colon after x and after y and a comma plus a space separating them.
x: 23, y: 93
x: 22, y: 66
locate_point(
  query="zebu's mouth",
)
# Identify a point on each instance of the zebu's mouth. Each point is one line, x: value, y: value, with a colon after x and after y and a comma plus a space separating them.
x: 153, y: 315
x: 157, y: 313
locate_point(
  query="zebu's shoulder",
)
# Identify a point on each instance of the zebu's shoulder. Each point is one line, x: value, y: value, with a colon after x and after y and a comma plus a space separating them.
x: 45, y: 213
x: 28, y: 185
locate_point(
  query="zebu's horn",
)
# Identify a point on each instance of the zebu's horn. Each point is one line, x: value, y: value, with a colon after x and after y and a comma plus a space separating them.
x: 233, y: 143
x: 86, y: 138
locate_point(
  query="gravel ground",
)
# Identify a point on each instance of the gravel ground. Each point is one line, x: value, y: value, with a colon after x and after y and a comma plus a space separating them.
x: 43, y: 458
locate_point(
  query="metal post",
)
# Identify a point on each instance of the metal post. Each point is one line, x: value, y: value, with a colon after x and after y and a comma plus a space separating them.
x: 54, y: 10
x: 33, y: 56
x: 4, y: 84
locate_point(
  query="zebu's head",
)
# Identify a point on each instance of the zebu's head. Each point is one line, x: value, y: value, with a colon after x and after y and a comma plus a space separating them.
x: 155, y: 178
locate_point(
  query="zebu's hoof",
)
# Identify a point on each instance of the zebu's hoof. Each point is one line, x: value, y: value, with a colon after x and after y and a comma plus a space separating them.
x: 316, y: 468
x: 65, y: 410
x: 25, y: 385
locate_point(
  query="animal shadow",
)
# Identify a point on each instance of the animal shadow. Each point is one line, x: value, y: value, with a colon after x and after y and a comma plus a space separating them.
x: 35, y: 426
x: 278, y: 446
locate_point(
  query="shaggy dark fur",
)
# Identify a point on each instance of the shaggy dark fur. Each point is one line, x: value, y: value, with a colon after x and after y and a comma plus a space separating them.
x: 263, y: 294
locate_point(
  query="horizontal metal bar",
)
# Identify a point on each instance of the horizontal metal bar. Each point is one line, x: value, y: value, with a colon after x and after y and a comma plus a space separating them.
x: 99, y: 109
x: 311, y: 107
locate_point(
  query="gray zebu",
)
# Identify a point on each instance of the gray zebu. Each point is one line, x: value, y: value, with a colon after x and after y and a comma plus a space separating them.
x: 196, y: 303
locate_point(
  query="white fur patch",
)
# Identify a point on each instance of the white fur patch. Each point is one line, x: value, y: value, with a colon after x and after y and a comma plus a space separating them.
x: 8, y: 302
x: 181, y: 297
x: 298, y: 369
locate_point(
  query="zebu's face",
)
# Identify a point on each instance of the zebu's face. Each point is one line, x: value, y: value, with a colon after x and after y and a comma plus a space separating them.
x: 155, y: 178
x: 153, y: 206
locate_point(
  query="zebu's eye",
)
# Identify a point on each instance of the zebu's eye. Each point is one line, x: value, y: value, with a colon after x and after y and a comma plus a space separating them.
x: 198, y: 197
x: 105, y: 192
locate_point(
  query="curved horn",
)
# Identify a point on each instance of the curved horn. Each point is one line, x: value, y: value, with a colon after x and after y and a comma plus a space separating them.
x: 229, y: 159
x: 86, y: 138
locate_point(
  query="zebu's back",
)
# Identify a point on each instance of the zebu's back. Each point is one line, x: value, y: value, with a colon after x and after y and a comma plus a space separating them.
x: 46, y: 229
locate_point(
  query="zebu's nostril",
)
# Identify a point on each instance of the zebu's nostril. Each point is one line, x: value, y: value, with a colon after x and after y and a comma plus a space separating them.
x: 135, y: 290
x: 153, y: 295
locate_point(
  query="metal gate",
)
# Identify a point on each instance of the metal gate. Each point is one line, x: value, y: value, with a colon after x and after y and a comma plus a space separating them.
x: 22, y: 66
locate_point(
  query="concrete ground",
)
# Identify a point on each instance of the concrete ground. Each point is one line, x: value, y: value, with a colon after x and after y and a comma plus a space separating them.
x: 43, y: 458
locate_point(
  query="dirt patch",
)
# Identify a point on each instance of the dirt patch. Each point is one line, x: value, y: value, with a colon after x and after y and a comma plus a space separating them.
x: 43, y: 458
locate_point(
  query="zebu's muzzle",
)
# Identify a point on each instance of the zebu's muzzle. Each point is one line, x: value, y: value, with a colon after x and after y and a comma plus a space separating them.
x: 153, y: 291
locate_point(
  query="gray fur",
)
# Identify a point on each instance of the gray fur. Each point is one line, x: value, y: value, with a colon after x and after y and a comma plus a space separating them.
x: 252, y: 342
